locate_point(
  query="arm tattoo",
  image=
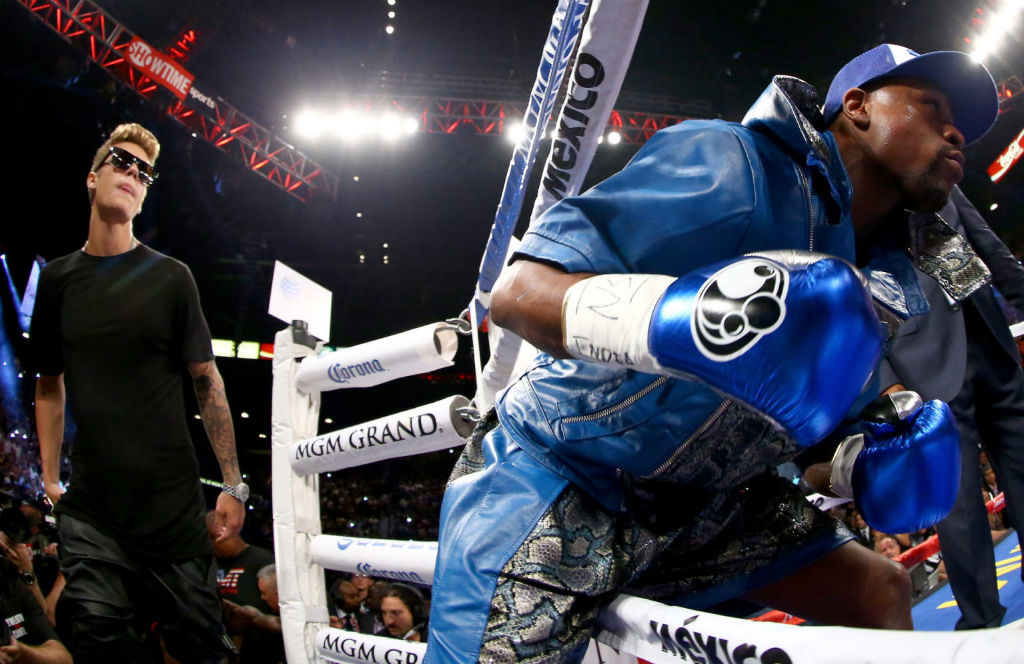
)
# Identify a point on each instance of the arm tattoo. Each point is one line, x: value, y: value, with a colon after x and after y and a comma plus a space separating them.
x: 213, y: 408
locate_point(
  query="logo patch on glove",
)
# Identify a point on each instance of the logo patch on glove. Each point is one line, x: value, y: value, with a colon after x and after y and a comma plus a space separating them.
x: 738, y: 305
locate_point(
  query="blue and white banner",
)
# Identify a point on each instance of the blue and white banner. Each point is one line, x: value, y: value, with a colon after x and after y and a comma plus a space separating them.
x: 409, y: 353
x: 565, y: 29
x: 392, y: 560
x: 601, y: 63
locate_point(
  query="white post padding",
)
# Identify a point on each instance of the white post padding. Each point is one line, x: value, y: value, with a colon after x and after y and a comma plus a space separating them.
x: 300, y: 583
x: 340, y: 646
x: 669, y: 635
x: 409, y: 353
x: 395, y: 560
x: 434, y: 426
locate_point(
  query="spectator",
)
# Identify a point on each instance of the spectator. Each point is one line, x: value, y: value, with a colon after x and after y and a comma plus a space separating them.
x: 862, y: 530
x: 131, y: 519
x: 238, y: 565
x: 348, y: 610
x: 263, y: 643
x: 404, y: 612
x: 25, y: 633
x: 962, y: 352
x: 889, y: 547
x: 372, y: 603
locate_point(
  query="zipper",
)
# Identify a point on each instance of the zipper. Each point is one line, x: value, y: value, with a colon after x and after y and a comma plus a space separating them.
x: 614, y: 408
x: 700, y: 431
x: 810, y: 209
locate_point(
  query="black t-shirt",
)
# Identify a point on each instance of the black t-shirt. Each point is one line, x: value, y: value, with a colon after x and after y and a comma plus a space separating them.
x: 236, y: 577
x: 23, y: 617
x: 122, y: 329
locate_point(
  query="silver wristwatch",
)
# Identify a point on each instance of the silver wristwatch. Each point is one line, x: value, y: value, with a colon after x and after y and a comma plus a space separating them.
x: 239, y: 491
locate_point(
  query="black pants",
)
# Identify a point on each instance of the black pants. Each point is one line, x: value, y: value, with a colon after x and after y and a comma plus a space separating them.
x: 989, y: 411
x: 111, y: 600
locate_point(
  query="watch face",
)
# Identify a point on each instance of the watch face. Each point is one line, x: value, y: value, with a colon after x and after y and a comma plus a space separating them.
x: 239, y: 491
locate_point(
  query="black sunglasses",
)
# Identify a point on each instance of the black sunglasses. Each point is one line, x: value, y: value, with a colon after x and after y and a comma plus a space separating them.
x: 122, y: 159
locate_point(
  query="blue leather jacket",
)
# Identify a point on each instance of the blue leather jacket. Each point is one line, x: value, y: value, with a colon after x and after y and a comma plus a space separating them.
x: 696, y: 193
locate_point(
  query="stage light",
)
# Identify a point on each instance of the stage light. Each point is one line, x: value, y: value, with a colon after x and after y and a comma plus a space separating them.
x: 248, y: 350
x: 996, y: 26
x: 309, y: 124
x: 355, y: 178
x: 391, y: 14
x: 223, y: 347
x: 244, y: 415
x: 328, y: 420
x: 389, y: 126
x: 390, y: 29
x: 993, y: 207
x: 410, y: 125
x: 614, y: 138
x: 515, y: 133
x: 391, y: 2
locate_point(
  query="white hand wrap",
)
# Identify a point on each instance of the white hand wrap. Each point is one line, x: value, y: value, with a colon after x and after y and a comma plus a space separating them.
x: 605, y: 319
x: 842, y: 465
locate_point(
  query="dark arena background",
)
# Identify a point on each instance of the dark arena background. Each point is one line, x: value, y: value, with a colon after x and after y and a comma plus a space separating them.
x: 394, y: 225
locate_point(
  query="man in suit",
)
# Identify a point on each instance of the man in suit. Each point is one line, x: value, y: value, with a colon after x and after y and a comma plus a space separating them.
x: 962, y: 352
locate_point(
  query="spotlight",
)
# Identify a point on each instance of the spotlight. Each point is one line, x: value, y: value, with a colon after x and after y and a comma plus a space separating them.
x: 614, y: 138
x: 515, y: 133
x: 390, y: 29
x: 310, y: 124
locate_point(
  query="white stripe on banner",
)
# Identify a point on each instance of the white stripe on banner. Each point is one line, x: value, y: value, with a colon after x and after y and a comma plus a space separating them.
x: 339, y: 646
x: 394, y: 560
x: 609, y: 38
x: 670, y: 635
x: 427, y: 428
x: 409, y: 353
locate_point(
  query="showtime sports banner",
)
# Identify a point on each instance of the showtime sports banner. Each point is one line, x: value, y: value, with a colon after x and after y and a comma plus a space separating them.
x: 1007, y: 159
x: 159, y: 67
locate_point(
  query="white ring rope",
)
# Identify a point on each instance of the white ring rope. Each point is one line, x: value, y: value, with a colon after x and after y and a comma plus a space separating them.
x: 645, y: 629
x: 434, y: 426
x: 410, y: 353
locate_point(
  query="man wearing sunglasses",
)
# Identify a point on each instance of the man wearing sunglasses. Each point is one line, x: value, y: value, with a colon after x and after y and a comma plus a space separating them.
x: 117, y: 324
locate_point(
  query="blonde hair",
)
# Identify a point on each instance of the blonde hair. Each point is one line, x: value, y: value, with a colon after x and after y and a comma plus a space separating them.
x: 128, y: 133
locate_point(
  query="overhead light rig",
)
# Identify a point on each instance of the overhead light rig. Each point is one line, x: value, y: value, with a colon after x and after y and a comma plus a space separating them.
x: 451, y: 115
x: 161, y: 79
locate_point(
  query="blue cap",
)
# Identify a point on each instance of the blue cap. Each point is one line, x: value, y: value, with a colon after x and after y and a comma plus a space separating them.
x: 969, y: 87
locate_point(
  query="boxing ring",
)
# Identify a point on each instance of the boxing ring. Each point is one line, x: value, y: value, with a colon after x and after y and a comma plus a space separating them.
x: 631, y: 628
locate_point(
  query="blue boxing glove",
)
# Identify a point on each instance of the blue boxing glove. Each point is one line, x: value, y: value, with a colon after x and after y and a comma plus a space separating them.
x: 903, y: 472
x: 793, y: 334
